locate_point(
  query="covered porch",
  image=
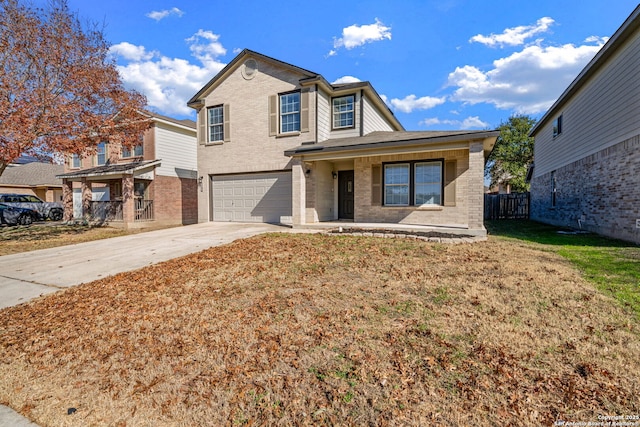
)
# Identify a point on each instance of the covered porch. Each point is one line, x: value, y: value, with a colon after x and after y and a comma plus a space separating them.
x: 119, y: 194
x: 430, y: 180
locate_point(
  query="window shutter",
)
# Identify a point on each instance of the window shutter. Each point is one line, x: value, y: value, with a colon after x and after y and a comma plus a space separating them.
x: 304, y: 111
x: 202, y: 126
x: 450, y: 167
x: 273, y: 115
x: 376, y: 185
x: 226, y: 127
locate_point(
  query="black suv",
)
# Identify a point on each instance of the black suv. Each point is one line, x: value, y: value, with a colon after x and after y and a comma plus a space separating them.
x: 44, y: 210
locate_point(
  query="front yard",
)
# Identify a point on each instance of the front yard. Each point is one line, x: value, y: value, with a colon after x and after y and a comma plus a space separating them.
x: 330, y: 330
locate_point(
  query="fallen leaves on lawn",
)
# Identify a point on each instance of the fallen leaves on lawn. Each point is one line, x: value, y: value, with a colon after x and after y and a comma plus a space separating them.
x: 326, y: 330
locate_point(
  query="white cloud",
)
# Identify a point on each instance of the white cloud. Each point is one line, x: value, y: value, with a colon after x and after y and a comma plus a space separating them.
x: 526, y: 82
x: 358, y: 35
x: 168, y: 83
x: 346, y: 79
x: 131, y: 52
x: 514, y: 36
x: 204, y: 45
x: 472, y: 122
x: 161, y: 14
x: 411, y: 103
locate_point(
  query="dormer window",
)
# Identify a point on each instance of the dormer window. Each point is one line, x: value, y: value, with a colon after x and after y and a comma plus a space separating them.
x: 343, y: 112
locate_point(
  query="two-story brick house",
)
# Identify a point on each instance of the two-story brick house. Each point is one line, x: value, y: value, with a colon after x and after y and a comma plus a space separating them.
x: 587, y: 146
x: 278, y: 143
x: 152, y: 184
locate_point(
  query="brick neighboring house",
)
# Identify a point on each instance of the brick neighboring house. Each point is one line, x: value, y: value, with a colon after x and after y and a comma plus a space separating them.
x: 587, y: 146
x: 152, y: 184
x: 278, y: 143
x: 34, y: 178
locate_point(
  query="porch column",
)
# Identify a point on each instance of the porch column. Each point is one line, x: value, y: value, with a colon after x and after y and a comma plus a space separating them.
x: 67, y: 199
x: 128, y: 201
x: 476, y: 186
x: 86, y: 198
x: 298, y: 192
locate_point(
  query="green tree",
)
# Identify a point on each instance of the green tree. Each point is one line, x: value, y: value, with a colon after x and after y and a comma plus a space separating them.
x: 512, y: 154
x: 59, y: 90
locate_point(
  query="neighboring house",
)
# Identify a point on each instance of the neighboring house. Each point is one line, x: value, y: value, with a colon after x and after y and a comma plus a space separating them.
x: 278, y: 143
x: 33, y: 178
x: 151, y: 184
x: 587, y: 146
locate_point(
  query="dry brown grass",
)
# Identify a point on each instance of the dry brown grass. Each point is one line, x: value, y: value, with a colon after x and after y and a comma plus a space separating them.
x: 326, y: 330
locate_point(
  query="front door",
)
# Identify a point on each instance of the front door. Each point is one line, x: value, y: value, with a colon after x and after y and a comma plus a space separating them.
x: 345, y: 194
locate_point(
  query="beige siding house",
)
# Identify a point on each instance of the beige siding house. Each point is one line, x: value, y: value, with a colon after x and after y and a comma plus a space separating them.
x: 587, y: 146
x: 153, y: 184
x: 278, y: 143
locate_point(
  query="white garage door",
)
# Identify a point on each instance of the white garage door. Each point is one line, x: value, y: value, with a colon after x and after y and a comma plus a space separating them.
x: 262, y: 197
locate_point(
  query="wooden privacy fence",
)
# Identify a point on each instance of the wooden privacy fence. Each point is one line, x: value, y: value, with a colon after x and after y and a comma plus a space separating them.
x: 506, y: 206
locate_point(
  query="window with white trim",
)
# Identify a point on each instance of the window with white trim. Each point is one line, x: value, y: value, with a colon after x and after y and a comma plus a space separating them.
x: 290, y: 112
x: 75, y: 161
x: 216, y: 123
x: 137, y: 152
x: 343, y: 112
x: 415, y: 183
x: 101, y: 154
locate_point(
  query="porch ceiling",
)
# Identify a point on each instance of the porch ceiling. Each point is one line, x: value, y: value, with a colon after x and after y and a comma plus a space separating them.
x: 112, y: 171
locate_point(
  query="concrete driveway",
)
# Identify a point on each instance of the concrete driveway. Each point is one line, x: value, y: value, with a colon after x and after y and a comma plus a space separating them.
x: 28, y: 275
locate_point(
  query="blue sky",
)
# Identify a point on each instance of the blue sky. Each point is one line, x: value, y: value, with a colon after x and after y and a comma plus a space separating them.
x: 440, y: 65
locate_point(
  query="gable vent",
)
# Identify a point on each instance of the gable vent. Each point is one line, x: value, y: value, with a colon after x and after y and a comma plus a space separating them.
x: 249, y: 69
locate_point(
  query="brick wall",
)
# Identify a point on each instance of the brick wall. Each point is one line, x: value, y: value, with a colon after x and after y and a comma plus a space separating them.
x: 457, y: 215
x: 599, y: 193
x: 175, y: 200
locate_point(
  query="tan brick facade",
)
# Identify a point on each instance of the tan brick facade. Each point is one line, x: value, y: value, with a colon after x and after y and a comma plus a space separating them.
x: 250, y: 146
x: 465, y: 212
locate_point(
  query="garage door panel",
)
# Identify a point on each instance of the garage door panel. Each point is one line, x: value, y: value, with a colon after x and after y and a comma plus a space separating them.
x: 264, y: 197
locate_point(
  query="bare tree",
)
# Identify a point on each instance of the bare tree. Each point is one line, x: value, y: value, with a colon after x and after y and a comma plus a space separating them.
x: 60, y: 92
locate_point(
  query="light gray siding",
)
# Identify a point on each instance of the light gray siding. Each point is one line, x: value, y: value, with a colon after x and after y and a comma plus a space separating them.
x: 346, y: 133
x: 373, y: 120
x: 324, y: 116
x: 602, y: 114
x: 177, y: 149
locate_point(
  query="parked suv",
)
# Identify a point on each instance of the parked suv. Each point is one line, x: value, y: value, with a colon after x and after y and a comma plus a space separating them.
x: 44, y: 210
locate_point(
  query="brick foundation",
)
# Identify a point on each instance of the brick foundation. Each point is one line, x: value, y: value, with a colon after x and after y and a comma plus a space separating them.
x: 600, y: 193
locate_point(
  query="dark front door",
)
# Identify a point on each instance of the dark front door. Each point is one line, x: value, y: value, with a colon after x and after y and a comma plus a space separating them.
x: 345, y: 194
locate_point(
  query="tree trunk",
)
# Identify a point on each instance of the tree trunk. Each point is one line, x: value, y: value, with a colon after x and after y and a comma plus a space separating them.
x: 3, y: 166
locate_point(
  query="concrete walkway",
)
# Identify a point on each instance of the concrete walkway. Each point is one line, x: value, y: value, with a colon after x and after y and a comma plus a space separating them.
x: 28, y: 275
